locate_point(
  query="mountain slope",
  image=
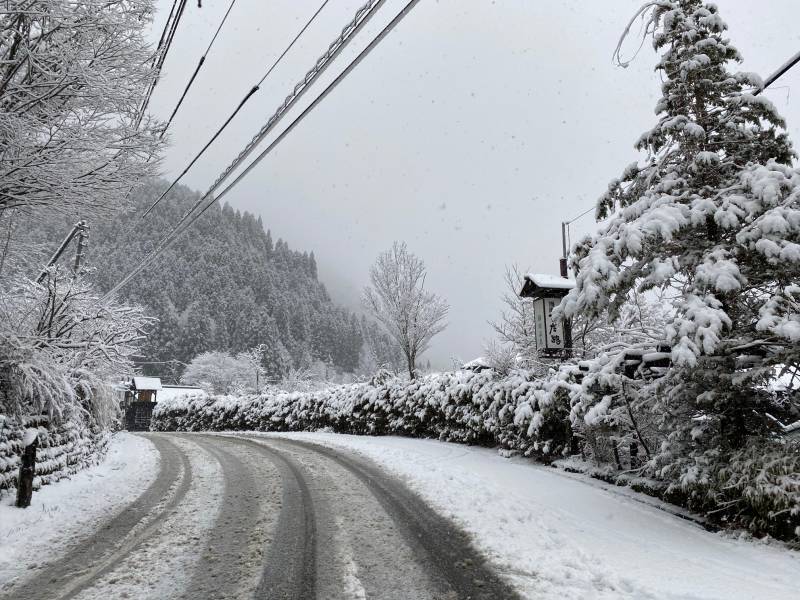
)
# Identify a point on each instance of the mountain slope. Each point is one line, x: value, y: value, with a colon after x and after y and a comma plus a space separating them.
x: 226, y: 286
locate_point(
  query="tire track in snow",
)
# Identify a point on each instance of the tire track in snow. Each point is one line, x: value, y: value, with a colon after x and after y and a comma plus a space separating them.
x: 98, y: 554
x: 443, y: 550
x: 236, y: 541
x: 290, y: 564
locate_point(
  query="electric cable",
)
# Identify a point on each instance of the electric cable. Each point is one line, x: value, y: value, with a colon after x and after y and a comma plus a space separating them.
x: 230, y: 118
x: 779, y: 73
x: 160, y: 58
x: 179, y: 229
x: 362, y: 16
x: 196, y: 70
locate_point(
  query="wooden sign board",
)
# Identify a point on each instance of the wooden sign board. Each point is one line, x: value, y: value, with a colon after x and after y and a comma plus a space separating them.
x: 550, y: 338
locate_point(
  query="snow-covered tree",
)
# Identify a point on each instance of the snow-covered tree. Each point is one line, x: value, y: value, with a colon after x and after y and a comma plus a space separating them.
x: 711, y: 217
x: 516, y: 328
x: 254, y: 357
x: 398, y: 300
x: 501, y: 357
x: 72, y: 78
x: 60, y: 347
x: 221, y: 373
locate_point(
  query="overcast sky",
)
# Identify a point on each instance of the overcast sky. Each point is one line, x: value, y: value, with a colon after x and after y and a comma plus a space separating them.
x: 471, y: 132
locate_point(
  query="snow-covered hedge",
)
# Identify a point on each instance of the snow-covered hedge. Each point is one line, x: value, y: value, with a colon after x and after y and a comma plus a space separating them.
x: 64, y: 449
x: 516, y: 412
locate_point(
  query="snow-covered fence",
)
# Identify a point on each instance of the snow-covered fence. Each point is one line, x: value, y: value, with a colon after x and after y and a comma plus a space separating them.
x: 64, y: 449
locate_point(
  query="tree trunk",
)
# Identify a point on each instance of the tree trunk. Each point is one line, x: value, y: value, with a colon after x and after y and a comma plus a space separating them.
x: 412, y: 371
x: 615, y: 447
x: 633, y: 450
x: 27, y: 470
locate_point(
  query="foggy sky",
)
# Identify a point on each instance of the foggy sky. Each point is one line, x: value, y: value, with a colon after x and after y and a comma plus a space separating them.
x: 471, y: 132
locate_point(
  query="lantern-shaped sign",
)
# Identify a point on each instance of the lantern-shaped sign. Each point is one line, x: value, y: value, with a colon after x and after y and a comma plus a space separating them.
x: 552, y: 335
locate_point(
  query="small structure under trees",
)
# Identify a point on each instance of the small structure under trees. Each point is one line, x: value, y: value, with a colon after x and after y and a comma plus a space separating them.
x: 553, y: 336
x: 139, y: 402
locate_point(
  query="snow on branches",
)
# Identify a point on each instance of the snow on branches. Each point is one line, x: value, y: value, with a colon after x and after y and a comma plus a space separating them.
x: 61, y: 346
x: 712, y: 215
x: 398, y: 300
x: 72, y: 76
x: 711, y: 219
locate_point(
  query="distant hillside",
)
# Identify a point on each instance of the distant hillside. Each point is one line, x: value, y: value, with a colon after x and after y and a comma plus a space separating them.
x: 226, y: 285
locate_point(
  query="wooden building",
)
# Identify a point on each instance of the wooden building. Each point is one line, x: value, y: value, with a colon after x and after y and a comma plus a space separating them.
x: 140, y: 399
x: 145, y: 389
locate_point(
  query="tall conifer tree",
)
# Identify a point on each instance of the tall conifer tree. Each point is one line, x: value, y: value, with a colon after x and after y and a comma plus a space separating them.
x: 712, y: 216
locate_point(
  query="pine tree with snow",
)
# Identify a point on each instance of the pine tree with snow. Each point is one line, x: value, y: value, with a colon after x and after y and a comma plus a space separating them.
x: 711, y: 217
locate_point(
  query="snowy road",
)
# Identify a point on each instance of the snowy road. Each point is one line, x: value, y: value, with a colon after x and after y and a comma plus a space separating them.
x: 310, y: 515
x: 232, y: 517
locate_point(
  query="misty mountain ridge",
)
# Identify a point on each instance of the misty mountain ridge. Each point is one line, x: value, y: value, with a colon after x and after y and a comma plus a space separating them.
x: 226, y: 285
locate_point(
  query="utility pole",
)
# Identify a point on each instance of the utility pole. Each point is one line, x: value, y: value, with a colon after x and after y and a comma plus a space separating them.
x: 562, y: 263
x: 83, y: 236
x: 79, y: 228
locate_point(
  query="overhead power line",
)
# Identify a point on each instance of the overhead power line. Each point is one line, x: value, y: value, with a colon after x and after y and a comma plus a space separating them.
x: 165, y: 30
x: 230, y: 118
x: 164, y: 44
x: 197, y: 69
x: 780, y: 72
x: 181, y: 227
x: 586, y: 212
x: 350, y: 67
x: 361, y: 17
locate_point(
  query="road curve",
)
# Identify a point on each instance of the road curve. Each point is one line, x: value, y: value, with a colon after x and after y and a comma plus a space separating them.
x: 291, y: 520
x: 441, y: 548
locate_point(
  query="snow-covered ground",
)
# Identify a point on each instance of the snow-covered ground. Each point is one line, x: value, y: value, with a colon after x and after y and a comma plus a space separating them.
x: 63, y: 511
x: 561, y: 536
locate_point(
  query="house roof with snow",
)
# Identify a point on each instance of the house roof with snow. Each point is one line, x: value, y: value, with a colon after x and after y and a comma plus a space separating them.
x: 146, y: 383
x: 536, y: 285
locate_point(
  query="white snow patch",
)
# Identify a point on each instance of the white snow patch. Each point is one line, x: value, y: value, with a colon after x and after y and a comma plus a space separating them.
x: 545, y: 280
x: 557, y: 536
x: 147, y: 383
x: 30, y: 436
x: 353, y: 588
x: 171, y: 392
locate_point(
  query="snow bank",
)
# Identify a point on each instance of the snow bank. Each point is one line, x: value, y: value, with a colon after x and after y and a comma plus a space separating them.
x: 61, y: 514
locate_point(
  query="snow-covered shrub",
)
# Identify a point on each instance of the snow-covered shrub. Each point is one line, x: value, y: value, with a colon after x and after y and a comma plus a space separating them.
x: 519, y: 411
x: 761, y: 485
